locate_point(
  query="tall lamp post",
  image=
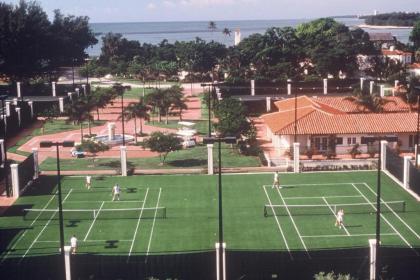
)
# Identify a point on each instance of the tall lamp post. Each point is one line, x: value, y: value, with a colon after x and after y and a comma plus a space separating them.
x: 48, y: 144
x: 372, y: 139
x: 5, y: 165
x: 228, y: 140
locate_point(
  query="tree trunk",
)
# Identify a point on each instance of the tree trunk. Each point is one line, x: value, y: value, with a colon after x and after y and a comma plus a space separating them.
x: 141, y: 127
x: 97, y: 112
x: 180, y: 115
x: 159, y: 116
x: 81, y: 132
x: 135, y: 130
x: 89, y: 128
x: 167, y: 117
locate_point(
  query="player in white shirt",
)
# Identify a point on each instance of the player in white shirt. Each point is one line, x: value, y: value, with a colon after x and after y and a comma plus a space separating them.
x: 73, y: 244
x: 116, y: 190
x: 276, y: 180
x: 88, y: 181
x: 340, y: 217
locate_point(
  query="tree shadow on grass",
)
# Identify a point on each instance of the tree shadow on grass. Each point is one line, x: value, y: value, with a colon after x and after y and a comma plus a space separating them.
x: 44, y: 185
x: 188, y: 163
x: 116, y: 165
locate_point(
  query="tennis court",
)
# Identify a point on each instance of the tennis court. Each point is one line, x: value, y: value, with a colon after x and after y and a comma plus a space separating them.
x: 178, y: 215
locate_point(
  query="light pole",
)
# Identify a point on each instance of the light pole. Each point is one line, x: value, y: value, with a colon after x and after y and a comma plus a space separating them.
x: 48, y: 144
x: 228, y: 140
x: 417, y: 92
x: 371, y: 139
x: 5, y: 165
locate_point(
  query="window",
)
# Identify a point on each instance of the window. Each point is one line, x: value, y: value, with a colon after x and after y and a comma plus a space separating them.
x: 412, y: 141
x: 324, y: 143
x: 354, y: 140
x: 339, y: 140
x: 348, y: 141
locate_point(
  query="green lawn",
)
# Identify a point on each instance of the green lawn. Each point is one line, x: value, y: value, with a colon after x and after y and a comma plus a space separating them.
x: 50, y: 127
x: 136, y: 93
x: 188, y: 158
x: 200, y: 125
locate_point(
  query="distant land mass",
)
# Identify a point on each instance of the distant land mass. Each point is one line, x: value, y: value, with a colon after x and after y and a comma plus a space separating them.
x: 392, y: 19
x: 345, y: 16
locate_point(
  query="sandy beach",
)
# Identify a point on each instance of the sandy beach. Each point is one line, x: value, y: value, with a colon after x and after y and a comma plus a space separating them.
x: 384, y: 26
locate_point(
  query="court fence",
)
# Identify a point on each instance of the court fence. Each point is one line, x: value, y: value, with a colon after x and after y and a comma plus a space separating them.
x: 24, y: 173
x: 394, y: 164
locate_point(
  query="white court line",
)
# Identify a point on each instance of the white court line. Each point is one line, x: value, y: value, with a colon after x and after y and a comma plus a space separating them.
x: 321, y: 197
x: 329, y: 206
x: 25, y: 231
x: 138, y: 224
x: 153, y: 225
x: 45, y: 226
x: 278, y: 223
x: 93, y: 222
x: 341, y: 235
x: 398, y: 216
x: 100, y: 201
x: 386, y: 220
x: 325, y: 184
x: 293, y: 221
x: 87, y: 241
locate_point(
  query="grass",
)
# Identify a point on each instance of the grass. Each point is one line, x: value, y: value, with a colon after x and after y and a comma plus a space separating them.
x: 188, y: 158
x: 50, y: 127
x: 191, y: 223
x: 136, y: 93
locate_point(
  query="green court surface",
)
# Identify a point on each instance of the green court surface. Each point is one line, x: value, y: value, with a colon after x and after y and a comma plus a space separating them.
x: 179, y: 214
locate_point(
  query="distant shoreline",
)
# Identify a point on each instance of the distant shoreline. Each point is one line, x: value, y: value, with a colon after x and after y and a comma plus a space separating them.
x: 383, y: 26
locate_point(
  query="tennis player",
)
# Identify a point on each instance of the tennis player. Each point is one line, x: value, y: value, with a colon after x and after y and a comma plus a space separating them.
x: 88, y: 181
x: 340, y: 217
x: 276, y: 180
x: 116, y: 190
x: 73, y: 244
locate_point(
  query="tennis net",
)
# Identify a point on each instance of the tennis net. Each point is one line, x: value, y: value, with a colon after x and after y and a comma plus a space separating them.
x: 327, y: 209
x: 100, y: 214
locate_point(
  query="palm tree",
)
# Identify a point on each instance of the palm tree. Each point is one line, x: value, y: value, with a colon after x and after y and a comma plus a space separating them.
x: 177, y: 100
x: 137, y: 110
x: 226, y: 31
x: 78, y: 112
x: 368, y: 102
x: 212, y: 27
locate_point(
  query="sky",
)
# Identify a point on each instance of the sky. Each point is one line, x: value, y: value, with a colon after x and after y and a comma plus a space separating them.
x: 205, y: 10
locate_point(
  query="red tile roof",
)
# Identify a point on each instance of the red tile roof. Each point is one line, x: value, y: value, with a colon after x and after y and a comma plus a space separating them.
x: 319, y: 123
x: 414, y: 66
x: 395, y: 52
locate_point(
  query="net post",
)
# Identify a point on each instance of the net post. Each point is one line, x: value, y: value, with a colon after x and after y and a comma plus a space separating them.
x: 67, y: 264
x: 164, y: 212
x: 265, y: 211
x: 404, y: 205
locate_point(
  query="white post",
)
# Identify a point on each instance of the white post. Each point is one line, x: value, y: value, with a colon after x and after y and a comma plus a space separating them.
x: 382, y: 90
x: 289, y: 87
x: 123, y: 160
x: 19, y: 117
x: 15, y: 179
x: 325, y: 86
x: 384, y: 144
x: 224, y: 259
x: 237, y: 36
x: 8, y: 108
x: 296, y: 154
x: 268, y: 103
x: 36, y: 162
x: 407, y: 172
x: 53, y: 89
x: 218, y: 94
x: 210, y: 169
x: 396, y: 82
x: 67, y: 250
x: 252, y: 87
x: 111, y: 131
x: 19, y: 93
x: 372, y: 246
x: 84, y: 89
x: 218, y: 260
x: 2, y: 151
x: 61, y: 104
x: 371, y: 83
x: 31, y: 104
x: 15, y: 101
x: 416, y: 153
x: 362, y: 80
x: 78, y: 91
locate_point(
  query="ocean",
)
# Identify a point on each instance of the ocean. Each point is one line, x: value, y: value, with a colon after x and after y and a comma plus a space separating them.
x: 155, y: 32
